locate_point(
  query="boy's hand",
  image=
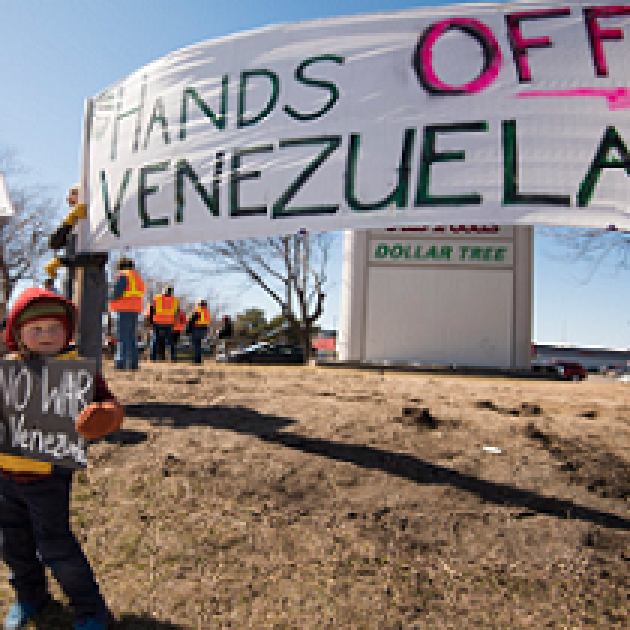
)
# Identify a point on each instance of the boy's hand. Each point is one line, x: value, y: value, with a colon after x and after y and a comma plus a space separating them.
x: 99, y: 419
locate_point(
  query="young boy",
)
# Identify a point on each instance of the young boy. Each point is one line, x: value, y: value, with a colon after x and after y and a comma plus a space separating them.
x: 35, y: 496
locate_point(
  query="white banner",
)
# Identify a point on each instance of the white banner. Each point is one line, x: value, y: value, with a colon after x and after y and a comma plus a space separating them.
x: 488, y: 114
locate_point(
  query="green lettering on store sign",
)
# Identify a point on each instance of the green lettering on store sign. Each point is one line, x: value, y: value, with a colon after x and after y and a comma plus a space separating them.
x: 381, y: 251
x: 467, y: 253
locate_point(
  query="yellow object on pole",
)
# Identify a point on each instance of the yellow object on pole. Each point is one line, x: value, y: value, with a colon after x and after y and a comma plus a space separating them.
x: 78, y: 212
x: 51, y: 267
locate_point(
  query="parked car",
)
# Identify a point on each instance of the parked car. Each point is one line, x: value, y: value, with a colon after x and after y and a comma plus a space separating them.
x: 614, y: 370
x: 265, y: 353
x: 569, y: 371
x: 542, y: 365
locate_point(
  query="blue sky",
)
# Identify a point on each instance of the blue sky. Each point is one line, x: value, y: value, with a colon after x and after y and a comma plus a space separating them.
x: 54, y: 54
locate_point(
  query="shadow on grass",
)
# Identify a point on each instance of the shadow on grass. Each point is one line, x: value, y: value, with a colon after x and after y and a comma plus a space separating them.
x: 124, y: 437
x: 56, y: 616
x: 267, y: 428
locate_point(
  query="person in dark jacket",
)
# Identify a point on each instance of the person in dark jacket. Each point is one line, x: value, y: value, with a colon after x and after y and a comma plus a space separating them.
x: 197, y: 327
x: 226, y: 333
x: 34, y: 495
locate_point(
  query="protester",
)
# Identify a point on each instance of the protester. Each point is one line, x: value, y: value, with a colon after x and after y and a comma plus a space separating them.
x: 197, y: 327
x: 180, y: 322
x: 49, y: 285
x: 163, y: 314
x: 34, y: 495
x: 226, y: 333
x: 126, y: 296
x: 160, y: 352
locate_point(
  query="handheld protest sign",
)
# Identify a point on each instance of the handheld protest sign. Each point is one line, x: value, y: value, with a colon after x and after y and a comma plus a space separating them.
x: 40, y: 401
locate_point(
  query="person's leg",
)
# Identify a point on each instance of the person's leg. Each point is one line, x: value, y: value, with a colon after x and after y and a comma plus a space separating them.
x: 48, y: 502
x: 154, y: 342
x: 133, y: 325
x: 169, y: 342
x: 164, y: 344
x: 197, y: 336
x: 175, y: 336
x: 17, y: 546
x: 119, y: 359
x: 123, y: 341
x: 130, y: 330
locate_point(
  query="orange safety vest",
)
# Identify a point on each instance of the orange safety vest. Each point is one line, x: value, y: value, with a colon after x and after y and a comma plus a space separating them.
x: 165, y: 310
x: 204, y: 317
x: 131, y: 300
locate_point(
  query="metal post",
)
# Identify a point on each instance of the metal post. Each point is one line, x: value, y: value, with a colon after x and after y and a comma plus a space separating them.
x: 90, y: 276
x: 91, y: 300
x: 68, y: 288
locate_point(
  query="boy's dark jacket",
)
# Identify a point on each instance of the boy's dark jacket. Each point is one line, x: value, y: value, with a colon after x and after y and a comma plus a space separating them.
x: 18, y: 467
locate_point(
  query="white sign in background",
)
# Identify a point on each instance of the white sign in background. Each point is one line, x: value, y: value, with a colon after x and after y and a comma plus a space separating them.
x: 6, y: 205
x: 501, y: 114
x: 452, y: 231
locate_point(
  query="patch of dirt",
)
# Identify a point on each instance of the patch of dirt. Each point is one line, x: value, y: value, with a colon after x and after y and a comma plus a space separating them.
x: 587, y: 464
x: 280, y: 497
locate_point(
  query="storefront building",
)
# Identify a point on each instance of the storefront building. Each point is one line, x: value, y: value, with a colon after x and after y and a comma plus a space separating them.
x: 438, y: 295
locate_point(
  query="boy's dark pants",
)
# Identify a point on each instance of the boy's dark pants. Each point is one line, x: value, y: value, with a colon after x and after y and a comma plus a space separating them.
x: 34, y: 520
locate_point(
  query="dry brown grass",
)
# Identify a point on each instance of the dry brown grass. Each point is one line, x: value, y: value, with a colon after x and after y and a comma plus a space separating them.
x: 250, y: 497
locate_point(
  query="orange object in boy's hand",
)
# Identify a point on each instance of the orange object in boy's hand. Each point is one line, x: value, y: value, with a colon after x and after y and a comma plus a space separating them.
x: 99, y: 419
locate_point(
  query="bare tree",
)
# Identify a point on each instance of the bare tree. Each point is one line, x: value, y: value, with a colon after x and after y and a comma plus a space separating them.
x: 24, y: 239
x: 290, y: 269
x: 593, y: 246
x: 157, y: 280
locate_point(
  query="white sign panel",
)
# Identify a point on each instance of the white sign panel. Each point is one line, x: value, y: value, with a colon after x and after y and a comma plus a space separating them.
x: 6, y: 205
x: 452, y: 231
x: 488, y: 114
